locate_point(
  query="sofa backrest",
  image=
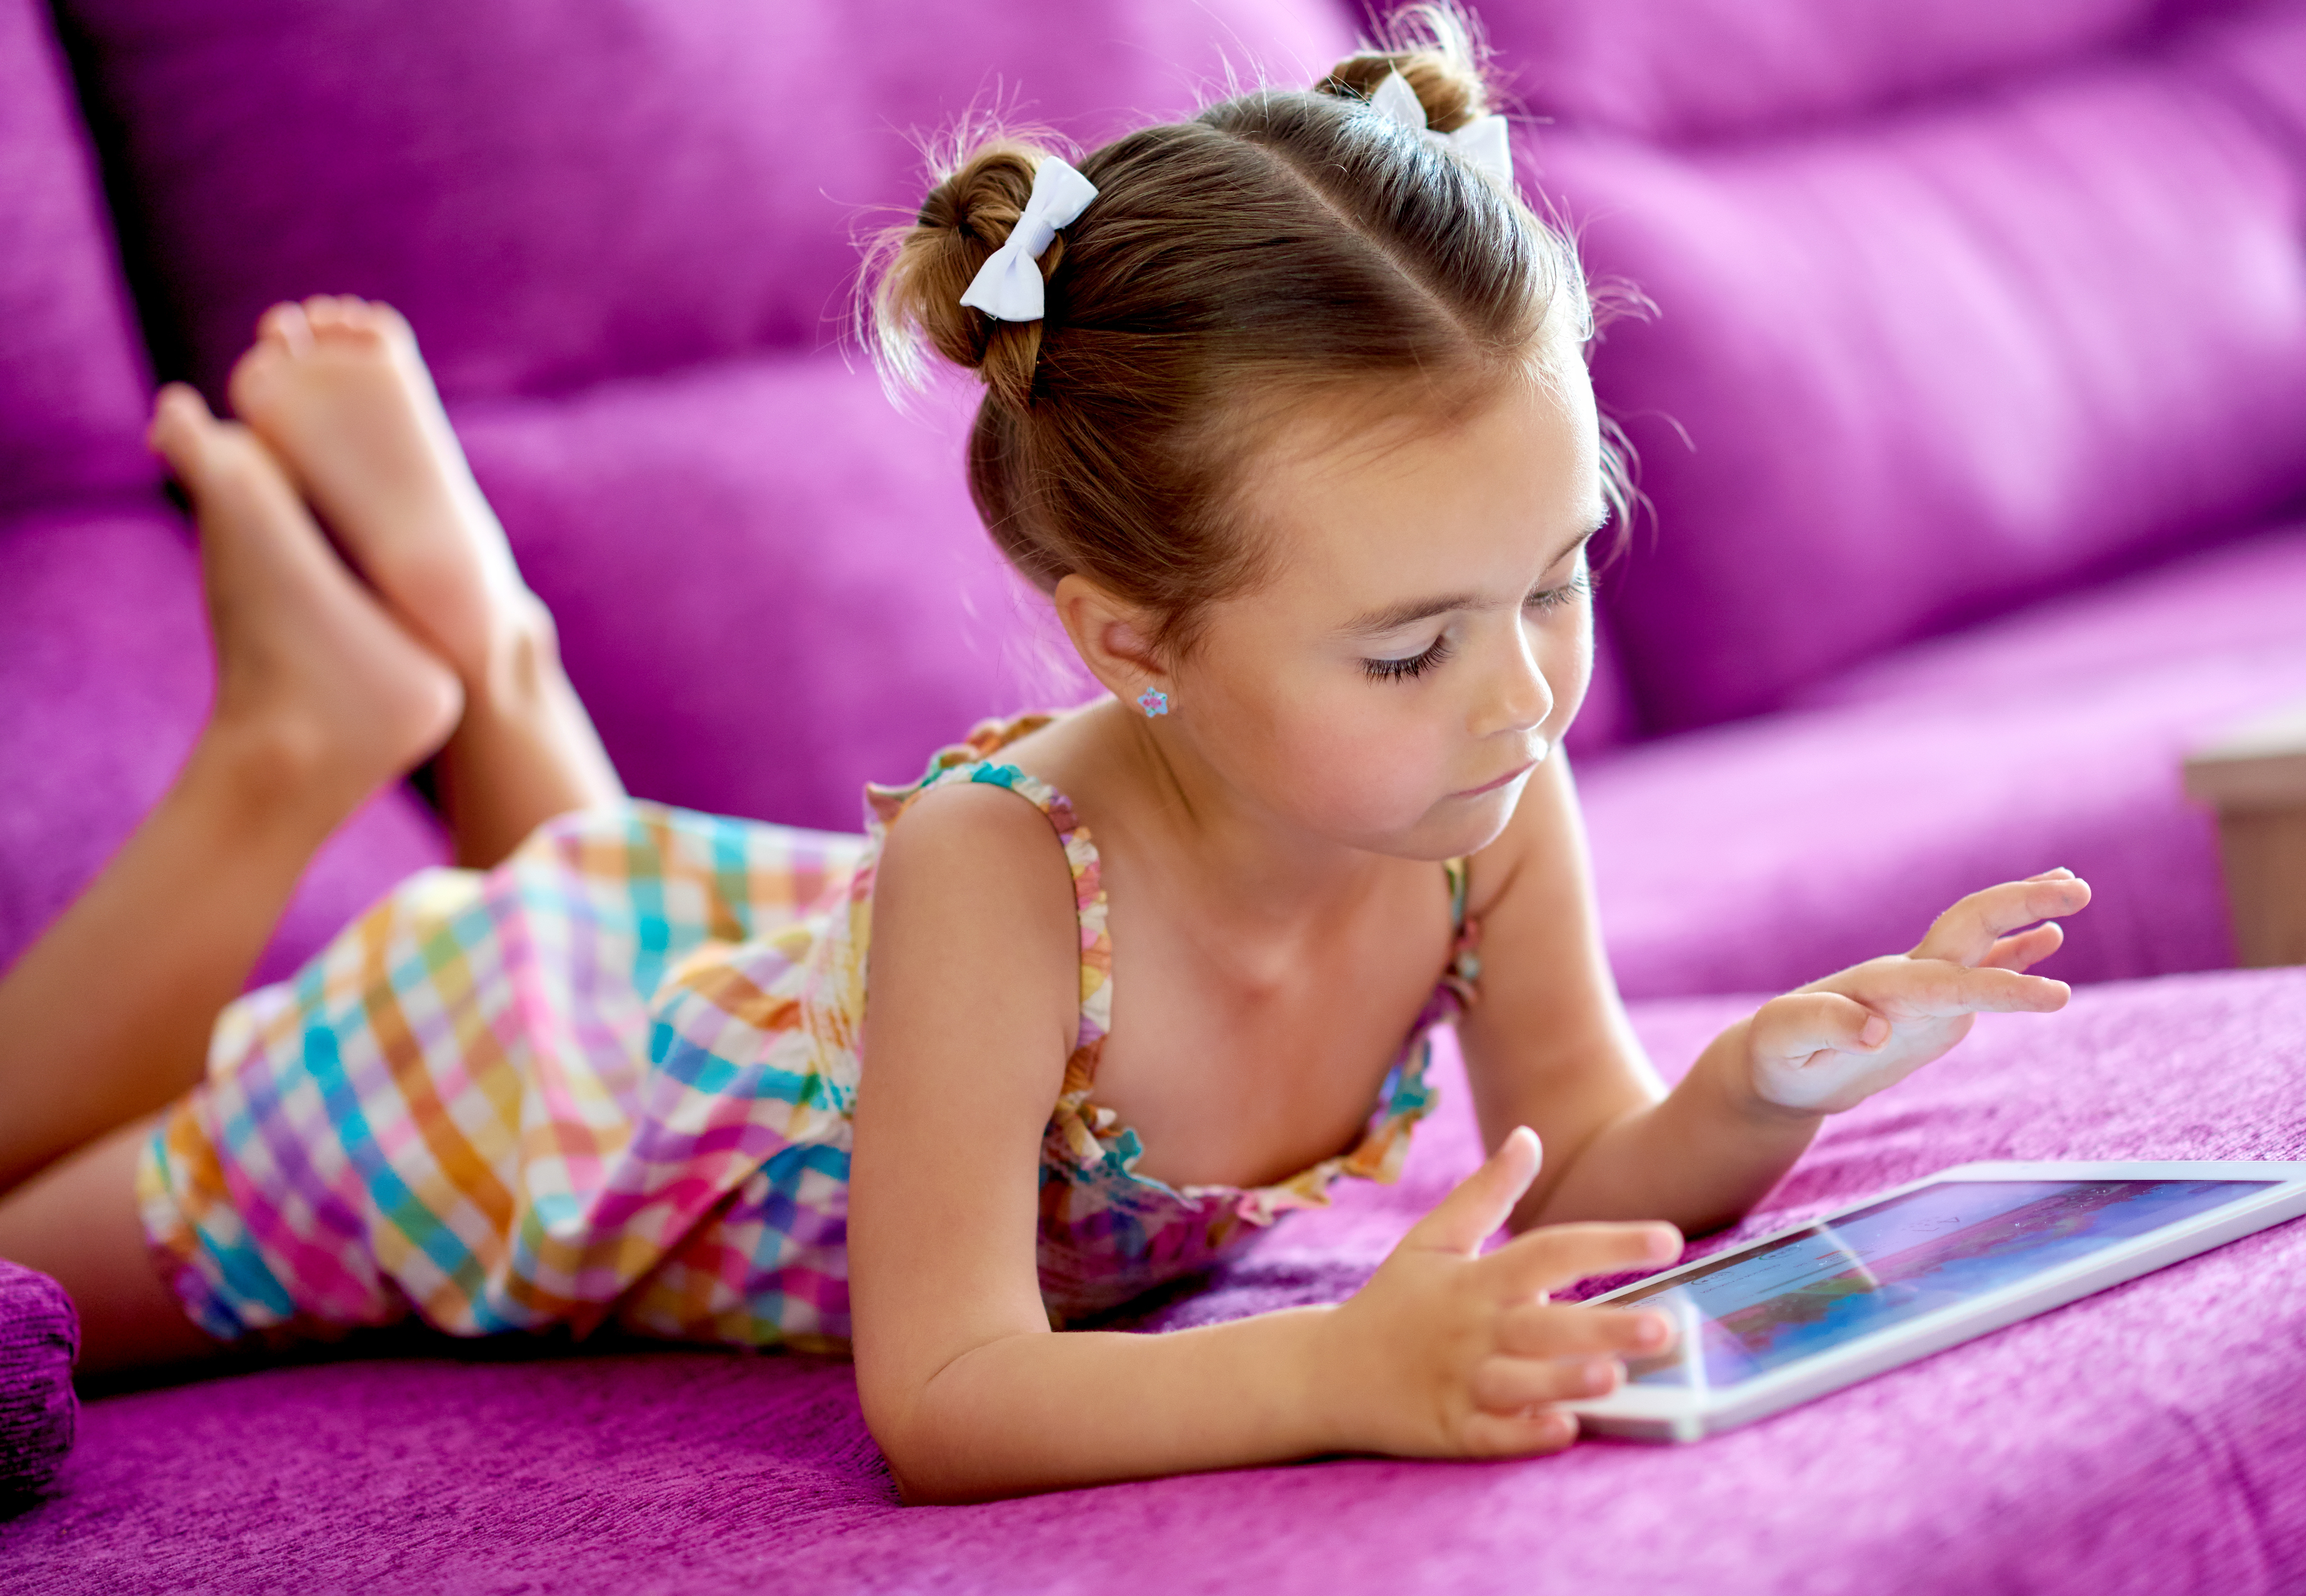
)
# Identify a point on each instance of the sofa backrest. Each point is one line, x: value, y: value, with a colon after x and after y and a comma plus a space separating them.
x: 1917, y: 365
x: 559, y: 193
x: 1682, y: 71
x: 73, y: 384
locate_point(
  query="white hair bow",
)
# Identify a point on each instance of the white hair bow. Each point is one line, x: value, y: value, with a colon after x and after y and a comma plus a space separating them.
x: 1008, y: 286
x: 1482, y: 142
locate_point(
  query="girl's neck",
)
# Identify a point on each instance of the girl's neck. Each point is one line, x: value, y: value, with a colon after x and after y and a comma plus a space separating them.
x: 1234, y: 858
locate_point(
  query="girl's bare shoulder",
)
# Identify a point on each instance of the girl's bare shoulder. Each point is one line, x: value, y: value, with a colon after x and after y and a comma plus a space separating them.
x: 974, y: 935
x: 978, y: 838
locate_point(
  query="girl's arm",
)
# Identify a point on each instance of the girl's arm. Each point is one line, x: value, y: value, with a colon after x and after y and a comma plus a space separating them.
x: 1549, y: 1045
x: 975, y: 997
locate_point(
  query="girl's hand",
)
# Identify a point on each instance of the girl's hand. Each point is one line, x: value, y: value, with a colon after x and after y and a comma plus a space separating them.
x: 1446, y: 1352
x: 1836, y: 1042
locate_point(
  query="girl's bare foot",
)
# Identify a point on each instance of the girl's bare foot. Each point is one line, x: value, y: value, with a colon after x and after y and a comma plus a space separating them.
x: 336, y: 386
x: 317, y: 685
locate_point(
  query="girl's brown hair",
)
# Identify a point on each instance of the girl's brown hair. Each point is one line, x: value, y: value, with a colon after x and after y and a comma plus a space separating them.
x: 1280, y: 248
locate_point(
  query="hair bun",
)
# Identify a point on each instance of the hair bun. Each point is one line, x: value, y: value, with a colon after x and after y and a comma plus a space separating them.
x: 965, y: 219
x: 1434, y: 48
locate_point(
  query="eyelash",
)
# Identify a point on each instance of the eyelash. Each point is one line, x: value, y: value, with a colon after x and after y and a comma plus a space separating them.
x: 1416, y: 665
x: 1579, y: 587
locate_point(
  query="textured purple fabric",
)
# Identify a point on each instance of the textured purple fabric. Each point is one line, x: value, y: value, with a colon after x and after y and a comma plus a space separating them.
x: 558, y: 194
x: 2254, y: 61
x: 1681, y: 70
x: 2145, y: 1440
x: 2241, y: 606
x: 1770, y: 852
x: 72, y: 373
x: 771, y: 587
x: 1904, y: 374
x: 39, y: 1337
x: 105, y: 678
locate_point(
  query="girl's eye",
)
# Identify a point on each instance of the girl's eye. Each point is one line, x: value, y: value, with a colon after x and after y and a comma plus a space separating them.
x: 1415, y: 665
x: 1546, y: 599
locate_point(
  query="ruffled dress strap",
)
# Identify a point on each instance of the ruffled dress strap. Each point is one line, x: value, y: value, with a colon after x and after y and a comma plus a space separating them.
x: 975, y: 761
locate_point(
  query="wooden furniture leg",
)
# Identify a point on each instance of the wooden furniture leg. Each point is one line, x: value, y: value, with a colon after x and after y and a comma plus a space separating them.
x: 2255, y: 777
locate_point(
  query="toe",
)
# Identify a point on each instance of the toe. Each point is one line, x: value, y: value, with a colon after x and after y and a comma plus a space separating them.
x: 255, y: 375
x: 330, y: 313
x: 180, y: 430
x: 341, y: 322
x: 285, y: 327
x: 390, y: 322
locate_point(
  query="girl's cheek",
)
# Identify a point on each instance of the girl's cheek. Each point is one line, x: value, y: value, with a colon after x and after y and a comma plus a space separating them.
x: 1363, y: 759
x: 1567, y: 661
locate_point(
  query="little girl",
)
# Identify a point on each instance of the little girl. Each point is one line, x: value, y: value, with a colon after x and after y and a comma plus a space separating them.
x: 1285, y: 408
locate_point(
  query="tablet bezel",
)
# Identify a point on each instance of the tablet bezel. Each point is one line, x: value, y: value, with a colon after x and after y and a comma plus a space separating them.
x: 1679, y: 1413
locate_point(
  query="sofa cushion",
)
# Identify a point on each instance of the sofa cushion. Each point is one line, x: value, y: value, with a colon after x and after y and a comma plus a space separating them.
x: 1679, y: 70
x: 39, y: 1338
x: 105, y: 675
x: 1910, y: 373
x: 772, y: 587
x: 73, y: 387
x: 1766, y: 854
x: 2145, y: 1440
x: 558, y: 193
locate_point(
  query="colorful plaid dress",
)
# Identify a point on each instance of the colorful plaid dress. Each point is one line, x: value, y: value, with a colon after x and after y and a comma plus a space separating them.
x: 612, y: 1079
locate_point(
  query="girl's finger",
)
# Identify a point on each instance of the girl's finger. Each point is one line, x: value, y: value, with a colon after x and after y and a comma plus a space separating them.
x: 1471, y: 1214
x: 1510, y: 1384
x: 1928, y: 989
x: 1965, y: 933
x: 1559, y: 1254
x: 2025, y: 950
x: 1518, y: 1435
x: 1571, y: 1330
x: 1802, y: 1023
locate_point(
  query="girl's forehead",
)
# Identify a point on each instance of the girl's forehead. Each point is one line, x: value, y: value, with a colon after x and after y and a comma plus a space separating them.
x: 1364, y: 510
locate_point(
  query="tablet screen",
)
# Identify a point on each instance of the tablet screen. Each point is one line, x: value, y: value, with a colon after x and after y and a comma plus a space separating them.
x: 1819, y: 1288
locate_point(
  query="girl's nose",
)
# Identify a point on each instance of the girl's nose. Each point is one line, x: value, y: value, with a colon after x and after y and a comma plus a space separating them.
x: 1519, y: 696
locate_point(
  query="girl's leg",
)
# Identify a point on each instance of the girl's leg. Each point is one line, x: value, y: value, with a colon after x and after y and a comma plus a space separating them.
x: 321, y: 698
x: 336, y: 386
x: 76, y: 1221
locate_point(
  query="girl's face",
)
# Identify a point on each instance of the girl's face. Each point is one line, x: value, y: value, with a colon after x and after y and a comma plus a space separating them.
x: 1426, y: 632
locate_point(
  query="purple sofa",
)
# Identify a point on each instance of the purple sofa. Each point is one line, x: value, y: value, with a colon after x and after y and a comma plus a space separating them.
x: 2146, y: 1441
x: 1972, y: 412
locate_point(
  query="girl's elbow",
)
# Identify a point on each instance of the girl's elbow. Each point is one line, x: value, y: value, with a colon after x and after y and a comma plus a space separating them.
x: 921, y: 1459
x: 927, y: 1474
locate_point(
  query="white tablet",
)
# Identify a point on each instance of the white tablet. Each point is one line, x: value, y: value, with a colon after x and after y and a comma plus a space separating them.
x: 1899, y: 1276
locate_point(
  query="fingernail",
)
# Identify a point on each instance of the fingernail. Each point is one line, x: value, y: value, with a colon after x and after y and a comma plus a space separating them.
x: 1876, y: 1031
x: 1651, y: 1331
x: 1665, y: 1243
x: 1560, y: 1429
x: 1600, y: 1375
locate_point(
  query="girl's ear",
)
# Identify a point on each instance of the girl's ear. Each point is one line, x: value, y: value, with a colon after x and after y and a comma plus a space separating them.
x: 1113, y: 637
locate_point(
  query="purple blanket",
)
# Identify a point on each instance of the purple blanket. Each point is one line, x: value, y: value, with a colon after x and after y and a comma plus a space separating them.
x: 2149, y: 1439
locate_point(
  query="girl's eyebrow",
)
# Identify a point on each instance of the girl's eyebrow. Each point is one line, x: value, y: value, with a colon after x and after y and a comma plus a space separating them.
x: 1396, y: 616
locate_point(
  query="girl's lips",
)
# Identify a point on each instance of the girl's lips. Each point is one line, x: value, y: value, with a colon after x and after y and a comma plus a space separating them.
x: 1510, y: 777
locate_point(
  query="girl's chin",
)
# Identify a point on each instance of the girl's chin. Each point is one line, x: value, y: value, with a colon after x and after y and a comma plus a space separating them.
x: 1461, y: 825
